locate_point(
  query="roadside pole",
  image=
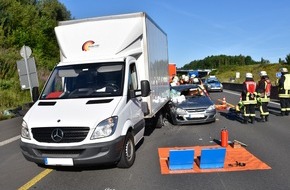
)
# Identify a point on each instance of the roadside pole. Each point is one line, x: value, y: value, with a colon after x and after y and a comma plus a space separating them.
x: 27, y: 71
x: 25, y: 52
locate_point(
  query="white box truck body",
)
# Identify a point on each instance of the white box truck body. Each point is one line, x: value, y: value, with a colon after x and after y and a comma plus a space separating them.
x: 112, y: 76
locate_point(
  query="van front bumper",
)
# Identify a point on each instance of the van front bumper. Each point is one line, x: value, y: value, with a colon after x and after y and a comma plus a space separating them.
x: 84, y: 155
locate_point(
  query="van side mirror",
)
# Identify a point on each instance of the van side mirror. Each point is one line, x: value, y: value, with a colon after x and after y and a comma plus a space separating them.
x: 35, y: 94
x: 145, y: 88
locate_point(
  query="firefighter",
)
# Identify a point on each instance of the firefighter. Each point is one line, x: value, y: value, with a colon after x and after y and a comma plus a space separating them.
x: 284, y: 91
x: 263, y: 95
x: 249, y: 98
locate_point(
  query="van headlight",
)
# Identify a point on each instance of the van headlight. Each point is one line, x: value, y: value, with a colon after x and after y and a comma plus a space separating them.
x: 105, y: 128
x: 25, y: 131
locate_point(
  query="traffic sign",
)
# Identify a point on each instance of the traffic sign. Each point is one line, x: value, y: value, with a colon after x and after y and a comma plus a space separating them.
x: 25, y: 52
x: 24, y: 76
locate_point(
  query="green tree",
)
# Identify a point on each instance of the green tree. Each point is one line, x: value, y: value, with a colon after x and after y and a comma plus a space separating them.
x: 31, y: 23
x: 288, y: 59
x: 214, y: 62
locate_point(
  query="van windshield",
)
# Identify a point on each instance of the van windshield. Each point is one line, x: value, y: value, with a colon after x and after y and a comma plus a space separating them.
x: 85, y: 81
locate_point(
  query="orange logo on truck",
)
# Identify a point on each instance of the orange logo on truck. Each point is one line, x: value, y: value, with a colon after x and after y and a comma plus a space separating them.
x: 86, y: 46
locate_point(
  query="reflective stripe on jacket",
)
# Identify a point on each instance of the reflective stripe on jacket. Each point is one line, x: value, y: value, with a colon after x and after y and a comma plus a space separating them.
x: 284, y: 86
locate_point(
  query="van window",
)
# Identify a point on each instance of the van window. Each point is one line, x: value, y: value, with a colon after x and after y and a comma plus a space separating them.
x: 85, y: 81
x: 133, y: 82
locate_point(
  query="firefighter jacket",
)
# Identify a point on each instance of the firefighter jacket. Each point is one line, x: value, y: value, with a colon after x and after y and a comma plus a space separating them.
x: 249, y: 94
x: 264, y: 90
x: 284, y: 86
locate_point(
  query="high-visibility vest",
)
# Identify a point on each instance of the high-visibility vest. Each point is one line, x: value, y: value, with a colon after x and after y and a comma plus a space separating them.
x: 284, y: 91
x: 251, y: 95
x: 251, y: 86
x: 268, y: 88
x: 264, y: 95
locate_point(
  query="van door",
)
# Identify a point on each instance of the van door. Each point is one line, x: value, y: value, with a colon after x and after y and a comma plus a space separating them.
x: 137, y: 115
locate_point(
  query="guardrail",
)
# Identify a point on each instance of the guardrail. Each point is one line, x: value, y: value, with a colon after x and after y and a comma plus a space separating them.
x: 239, y: 87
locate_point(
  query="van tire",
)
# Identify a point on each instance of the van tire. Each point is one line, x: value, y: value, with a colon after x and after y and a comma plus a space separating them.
x: 160, y: 120
x: 128, y: 153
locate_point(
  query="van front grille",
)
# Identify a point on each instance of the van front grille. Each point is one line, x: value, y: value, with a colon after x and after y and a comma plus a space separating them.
x: 60, y: 134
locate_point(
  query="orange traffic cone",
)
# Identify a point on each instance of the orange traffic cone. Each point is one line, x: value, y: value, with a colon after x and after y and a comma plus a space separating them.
x: 224, y: 102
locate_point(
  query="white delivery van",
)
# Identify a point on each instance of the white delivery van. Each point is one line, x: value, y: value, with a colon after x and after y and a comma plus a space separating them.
x: 112, y: 76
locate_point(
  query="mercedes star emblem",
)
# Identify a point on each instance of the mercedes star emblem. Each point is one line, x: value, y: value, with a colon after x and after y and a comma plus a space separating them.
x: 57, y: 135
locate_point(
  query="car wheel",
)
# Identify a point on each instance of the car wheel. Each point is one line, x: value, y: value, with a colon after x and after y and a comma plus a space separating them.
x: 174, y: 122
x: 128, y: 153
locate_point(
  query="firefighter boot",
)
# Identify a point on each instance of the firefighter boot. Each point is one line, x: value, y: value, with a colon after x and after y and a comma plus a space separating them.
x: 246, y: 119
x: 282, y: 113
x: 263, y: 118
x: 252, y: 119
x: 266, y: 118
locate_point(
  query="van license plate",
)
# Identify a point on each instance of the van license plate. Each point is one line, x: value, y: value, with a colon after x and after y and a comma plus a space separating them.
x: 58, y: 161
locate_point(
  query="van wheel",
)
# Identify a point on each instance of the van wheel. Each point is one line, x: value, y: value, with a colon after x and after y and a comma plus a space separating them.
x: 128, y: 153
x: 160, y: 121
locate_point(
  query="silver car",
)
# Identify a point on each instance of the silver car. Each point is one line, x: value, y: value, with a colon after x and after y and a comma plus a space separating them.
x: 190, y: 104
x: 213, y: 84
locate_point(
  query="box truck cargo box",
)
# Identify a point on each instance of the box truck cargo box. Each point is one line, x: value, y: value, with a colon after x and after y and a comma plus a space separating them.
x: 112, y: 76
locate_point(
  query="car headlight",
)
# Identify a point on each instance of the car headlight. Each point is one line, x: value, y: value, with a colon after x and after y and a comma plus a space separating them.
x: 25, y: 131
x: 221, y: 85
x: 105, y: 128
x: 180, y: 111
x: 211, y: 108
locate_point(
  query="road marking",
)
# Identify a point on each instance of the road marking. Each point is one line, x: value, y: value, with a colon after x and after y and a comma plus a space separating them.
x: 9, y: 140
x: 35, y: 179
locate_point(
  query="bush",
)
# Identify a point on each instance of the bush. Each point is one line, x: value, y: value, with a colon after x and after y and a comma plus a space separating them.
x: 12, y: 99
x: 5, y: 85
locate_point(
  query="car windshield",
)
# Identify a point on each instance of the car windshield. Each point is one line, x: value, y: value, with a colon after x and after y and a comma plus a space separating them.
x: 188, y: 90
x: 212, y: 80
x: 85, y: 80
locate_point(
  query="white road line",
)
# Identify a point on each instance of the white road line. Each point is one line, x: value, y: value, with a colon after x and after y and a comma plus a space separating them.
x: 10, y: 140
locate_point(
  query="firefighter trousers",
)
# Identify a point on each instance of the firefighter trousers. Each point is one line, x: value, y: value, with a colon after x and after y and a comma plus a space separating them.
x: 249, y: 112
x: 285, y: 106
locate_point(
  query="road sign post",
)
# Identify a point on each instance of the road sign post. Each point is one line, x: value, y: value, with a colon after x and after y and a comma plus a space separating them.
x: 25, y: 52
x: 27, y: 70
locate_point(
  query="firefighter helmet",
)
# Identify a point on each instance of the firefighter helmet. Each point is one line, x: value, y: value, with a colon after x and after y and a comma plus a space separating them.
x: 249, y: 75
x: 263, y: 73
x: 284, y: 70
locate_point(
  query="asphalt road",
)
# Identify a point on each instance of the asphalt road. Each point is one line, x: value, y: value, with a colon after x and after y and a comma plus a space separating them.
x: 268, y: 141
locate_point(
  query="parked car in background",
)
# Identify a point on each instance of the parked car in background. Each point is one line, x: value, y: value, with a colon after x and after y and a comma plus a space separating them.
x: 213, y: 84
x: 191, y: 104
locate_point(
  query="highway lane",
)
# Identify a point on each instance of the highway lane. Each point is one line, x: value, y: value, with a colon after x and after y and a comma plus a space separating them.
x: 8, y: 128
x: 15, y: 170
x: 267, y: 141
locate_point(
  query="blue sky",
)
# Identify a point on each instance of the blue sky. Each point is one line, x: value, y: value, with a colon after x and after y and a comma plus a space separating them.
x: 200, y: 28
